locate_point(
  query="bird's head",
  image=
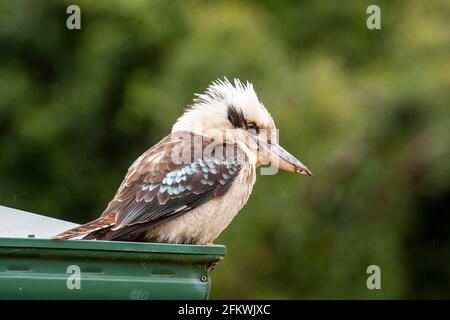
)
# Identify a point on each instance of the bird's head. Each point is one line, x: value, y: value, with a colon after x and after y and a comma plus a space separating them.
x: 233, y: 113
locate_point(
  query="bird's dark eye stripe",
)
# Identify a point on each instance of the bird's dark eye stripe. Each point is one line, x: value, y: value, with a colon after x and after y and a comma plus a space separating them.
x: 236, y: 117
x: 238, y: 121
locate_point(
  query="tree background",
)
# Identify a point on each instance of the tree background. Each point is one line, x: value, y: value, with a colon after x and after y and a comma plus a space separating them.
x: 366, y: 110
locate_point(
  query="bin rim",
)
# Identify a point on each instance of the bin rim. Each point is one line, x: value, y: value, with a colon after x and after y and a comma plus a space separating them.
x: 115, y: 246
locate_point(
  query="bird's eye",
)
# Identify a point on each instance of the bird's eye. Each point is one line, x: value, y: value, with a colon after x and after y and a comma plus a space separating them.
x: 252, y: 126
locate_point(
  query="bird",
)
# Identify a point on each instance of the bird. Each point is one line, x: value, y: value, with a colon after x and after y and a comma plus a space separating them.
x: 188, y: 187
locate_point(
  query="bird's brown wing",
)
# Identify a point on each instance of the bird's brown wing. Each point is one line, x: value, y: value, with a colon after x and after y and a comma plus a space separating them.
x: 178, y: 174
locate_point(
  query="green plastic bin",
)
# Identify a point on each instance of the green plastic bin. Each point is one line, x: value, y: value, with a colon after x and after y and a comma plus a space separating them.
x: 80, y: 269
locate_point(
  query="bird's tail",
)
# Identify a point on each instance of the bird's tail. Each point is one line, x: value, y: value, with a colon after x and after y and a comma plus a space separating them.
x: 103, y: 222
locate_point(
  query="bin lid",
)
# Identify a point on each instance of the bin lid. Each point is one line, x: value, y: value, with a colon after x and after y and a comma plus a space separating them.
x: 16, y: 226
x: 33, y: 268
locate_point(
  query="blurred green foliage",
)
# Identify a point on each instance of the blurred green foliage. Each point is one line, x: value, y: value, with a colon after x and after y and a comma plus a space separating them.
x: 366, y: 110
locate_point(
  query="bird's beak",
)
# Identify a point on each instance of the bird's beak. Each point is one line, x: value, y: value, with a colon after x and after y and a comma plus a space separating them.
x: 282, y: 159
x: 286, y: 161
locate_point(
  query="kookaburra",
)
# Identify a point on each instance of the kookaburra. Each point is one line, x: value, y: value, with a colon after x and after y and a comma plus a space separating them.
x: 189, y: 186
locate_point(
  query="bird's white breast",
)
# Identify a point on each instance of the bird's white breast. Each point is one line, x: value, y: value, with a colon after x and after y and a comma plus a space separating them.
x: 205, y: 223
